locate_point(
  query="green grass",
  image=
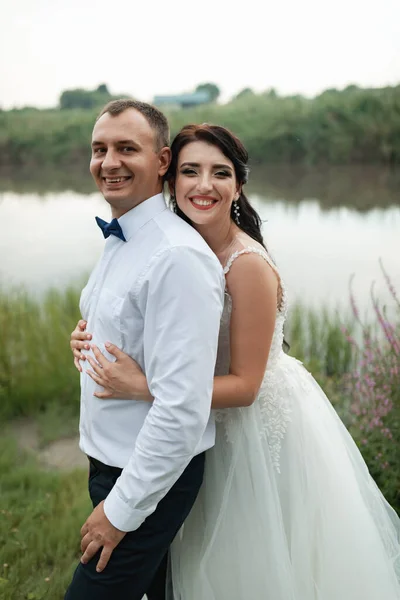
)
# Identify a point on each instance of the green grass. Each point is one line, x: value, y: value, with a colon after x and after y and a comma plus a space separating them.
x: 38, y: 378
x: 36, y: 369
x: 315, y: 337
x: 37, y: 375
x: 40, y: 518
x: 41, y: 511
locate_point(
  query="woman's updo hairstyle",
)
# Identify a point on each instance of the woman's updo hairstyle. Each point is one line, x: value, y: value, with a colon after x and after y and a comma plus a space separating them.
x: 234, y: 150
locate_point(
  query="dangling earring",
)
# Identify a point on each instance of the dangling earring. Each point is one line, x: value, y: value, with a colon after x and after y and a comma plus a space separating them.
x: 236, y: 210
x: 173, y: 203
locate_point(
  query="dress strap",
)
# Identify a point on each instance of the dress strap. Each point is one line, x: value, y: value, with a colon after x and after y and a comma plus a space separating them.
x: 249, y: 250
x: 253, y: 249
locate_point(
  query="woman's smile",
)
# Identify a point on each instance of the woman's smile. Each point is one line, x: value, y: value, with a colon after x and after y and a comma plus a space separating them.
x: 203, y: 202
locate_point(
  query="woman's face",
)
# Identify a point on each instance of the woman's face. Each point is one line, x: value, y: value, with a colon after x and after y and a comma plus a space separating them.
x: 205, y: 184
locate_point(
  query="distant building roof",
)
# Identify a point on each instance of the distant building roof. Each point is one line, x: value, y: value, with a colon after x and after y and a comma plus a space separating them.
x: 183, y: 99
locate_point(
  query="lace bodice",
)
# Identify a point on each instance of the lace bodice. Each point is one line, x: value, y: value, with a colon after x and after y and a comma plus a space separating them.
x: 273, y: 398
x: 223, y: 356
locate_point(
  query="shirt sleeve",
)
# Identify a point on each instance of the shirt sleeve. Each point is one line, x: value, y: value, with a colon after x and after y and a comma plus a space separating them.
x: 181, y: 298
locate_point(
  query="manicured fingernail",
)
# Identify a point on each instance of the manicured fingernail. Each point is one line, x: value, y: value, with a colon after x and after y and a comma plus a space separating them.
x: 107, y: 344
x: 88, y: 337
x: 87, y: 347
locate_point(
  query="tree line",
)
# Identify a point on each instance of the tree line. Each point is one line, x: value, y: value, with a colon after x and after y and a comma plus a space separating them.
x: 87, y: 99
x: 350, y: 126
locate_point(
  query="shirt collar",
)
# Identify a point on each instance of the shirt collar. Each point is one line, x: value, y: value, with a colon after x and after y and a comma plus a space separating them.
x: 135, y: 218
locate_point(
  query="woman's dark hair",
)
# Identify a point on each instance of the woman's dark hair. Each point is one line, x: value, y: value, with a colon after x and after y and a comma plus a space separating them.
x: 233, y: 149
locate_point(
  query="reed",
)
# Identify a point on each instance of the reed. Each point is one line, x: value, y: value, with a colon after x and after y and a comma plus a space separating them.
x: 36, y: 368
x: 373, y: 387
x: 35, y: 359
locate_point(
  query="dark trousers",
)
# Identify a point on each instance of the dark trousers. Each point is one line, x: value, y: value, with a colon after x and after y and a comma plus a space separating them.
x: 138, y: 565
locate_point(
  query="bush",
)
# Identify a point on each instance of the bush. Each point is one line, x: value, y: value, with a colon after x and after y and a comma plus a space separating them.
x: 374, y: 389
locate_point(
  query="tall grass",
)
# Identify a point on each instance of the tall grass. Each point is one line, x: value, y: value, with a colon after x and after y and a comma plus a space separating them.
x: 358, y: 365
x: 36, y: 368
x: 374, y: 389
x: 41, y: 512
x: 315, y: 337
x: 359, y: 371
x: 35, y: 360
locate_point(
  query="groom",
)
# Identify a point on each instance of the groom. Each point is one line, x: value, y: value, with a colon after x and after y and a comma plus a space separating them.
x: 157, y: 293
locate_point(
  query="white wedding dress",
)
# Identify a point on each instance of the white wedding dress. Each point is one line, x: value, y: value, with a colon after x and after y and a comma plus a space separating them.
x: 288, y: 509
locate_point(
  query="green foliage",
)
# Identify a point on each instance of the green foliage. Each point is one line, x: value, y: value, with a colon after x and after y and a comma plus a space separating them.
x: 374, y: 389
x: 41, y: 514
x: 337, y: 127
x: 357, y: 126
x: 37, y: 375
x: 244, y: 92
x: 212, y: 90
x: 86, y: 99
x: 360, y: 373
x: 315, y: 338
x: 36, y: 369
x: 271, y: 93
x: 51, y: 137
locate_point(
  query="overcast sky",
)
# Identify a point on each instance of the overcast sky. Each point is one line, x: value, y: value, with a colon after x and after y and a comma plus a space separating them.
x: 148, y: 47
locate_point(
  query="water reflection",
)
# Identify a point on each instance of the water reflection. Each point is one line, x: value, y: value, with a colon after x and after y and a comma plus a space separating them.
x: 360, y: 188
x: 320, y: 228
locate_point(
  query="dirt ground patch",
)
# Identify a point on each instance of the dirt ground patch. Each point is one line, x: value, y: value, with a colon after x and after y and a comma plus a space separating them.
x: 63, y: 454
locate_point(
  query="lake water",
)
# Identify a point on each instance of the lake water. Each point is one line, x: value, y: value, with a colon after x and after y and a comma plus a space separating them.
x: 321, y: 226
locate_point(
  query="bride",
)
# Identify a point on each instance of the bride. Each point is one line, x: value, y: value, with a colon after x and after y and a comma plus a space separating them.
x: 288, y: 509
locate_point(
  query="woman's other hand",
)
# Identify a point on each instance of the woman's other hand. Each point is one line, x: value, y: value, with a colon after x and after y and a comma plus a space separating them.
x: 122, y: 379
x: 79, y: 341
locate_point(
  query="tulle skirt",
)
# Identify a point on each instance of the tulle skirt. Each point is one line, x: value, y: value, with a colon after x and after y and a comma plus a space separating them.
x: 288, y: 509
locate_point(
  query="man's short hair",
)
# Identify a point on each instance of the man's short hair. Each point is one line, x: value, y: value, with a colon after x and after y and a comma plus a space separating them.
x: 155, y: 118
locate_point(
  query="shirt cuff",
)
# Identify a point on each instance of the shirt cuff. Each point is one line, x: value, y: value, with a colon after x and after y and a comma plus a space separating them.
x: 119, y: 513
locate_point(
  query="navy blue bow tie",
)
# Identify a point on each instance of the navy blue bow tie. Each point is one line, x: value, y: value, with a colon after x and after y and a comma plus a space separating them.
x: 113, y: 228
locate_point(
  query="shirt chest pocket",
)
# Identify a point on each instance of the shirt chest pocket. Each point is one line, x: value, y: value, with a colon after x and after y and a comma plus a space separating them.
x: 108, y: 326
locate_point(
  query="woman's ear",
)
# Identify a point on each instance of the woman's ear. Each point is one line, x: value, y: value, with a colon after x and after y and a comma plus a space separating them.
x: 238, y: 192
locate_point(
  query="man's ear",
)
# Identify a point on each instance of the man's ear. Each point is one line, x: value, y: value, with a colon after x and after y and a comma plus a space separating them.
x: 165, y: 158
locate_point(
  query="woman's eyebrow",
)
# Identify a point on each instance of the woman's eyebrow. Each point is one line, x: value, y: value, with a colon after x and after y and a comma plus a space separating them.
x: 216, y: 166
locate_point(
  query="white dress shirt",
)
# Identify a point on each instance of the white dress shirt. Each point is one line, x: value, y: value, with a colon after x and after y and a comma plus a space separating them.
x: 159, y: 297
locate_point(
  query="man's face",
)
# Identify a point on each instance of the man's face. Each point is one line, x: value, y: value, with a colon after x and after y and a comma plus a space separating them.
x: 126, y: 164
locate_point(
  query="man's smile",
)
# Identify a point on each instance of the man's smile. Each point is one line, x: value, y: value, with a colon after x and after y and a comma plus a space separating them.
x: 117, y: 181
